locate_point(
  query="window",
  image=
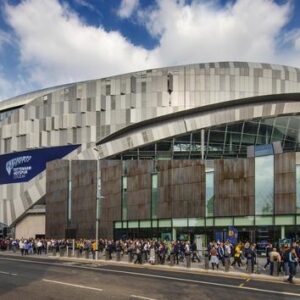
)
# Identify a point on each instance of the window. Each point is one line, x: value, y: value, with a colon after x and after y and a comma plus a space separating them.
x: 264, y: 185
x: 124, y: 198
x: 209, y: 194
x: 107, y: 89
x: 7, y: 145
x: 69, y: 200
x: 298, y: 189
x: 154, y: 195
x: 143, y: 87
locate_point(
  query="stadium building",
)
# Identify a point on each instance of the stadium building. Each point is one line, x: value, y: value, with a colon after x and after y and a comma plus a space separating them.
x: 186, y: 151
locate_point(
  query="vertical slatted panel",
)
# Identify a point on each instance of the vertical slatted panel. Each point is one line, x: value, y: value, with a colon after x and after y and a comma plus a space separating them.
x: 139, y: 189
x: 234, y: 187
x: 285, y: 183
x: 84, y: 197
x: 111, y: 173
x: 56, y: 198
x: 181, y: 189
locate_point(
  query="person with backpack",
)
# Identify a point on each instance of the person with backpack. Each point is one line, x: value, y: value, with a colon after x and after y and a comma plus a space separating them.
x: 292, y: 264
x: 194, y: 252
x: 268, y: 251
x: 250, y: 256
x: 221, y: 253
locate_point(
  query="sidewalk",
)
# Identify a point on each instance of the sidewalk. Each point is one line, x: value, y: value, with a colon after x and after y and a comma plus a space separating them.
x: 196, y: 268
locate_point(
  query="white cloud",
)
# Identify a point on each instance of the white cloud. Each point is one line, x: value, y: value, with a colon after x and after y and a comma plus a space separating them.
x: 127, y: 7
x: 57, y: 47
x: 4, y: 39
x: 13, y: 87
x: 88, y: 5
x: 246, y: 30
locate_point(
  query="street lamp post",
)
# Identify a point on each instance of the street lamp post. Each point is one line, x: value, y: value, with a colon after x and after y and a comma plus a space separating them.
x: 98, y: 203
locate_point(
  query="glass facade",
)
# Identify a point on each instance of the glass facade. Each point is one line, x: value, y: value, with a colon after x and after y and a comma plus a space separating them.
x: 124, y: 198
x: 224, y: 141
x: 154, y: 195
x: 264, y: 185
x: 69, y: 200
x: 209, y: 194
x: 298, y: 188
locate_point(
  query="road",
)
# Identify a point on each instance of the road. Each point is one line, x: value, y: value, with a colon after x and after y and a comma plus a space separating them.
x: 31, y: 278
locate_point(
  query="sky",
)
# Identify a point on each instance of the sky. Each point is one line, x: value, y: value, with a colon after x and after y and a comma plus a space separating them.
x: 45, y: 43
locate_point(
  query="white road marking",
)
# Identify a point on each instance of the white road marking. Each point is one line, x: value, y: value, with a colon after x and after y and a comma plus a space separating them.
x: 7, y: 273
x: 161, y: 277
x: 73, y: 285
x: 141, y: 297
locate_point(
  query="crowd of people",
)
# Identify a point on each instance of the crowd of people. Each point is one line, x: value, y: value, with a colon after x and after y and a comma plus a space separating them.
x: 285, y: 258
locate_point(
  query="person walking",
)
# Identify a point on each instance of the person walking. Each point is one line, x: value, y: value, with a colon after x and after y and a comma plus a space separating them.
x: 250, y: 255
x: 292, y: 264
x: 274, y: 259
x: 214, y: 258
x: 237, y: 255
x: 268, y: 251
x: 194, y: 250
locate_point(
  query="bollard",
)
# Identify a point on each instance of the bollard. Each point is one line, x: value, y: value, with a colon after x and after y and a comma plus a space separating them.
x: 172, y: 259
x: 61, y: 252
x: 227, y: 264
x: 69, y: 252
x: 249, y: 265
x: 106, y: 254
x: 77, y: 253
x: 275, y: 268
x: 118, y: 255
x: 206, y: 262
x: 73, y: 247
x: 130, y: 257
x: 54, y: 251
x: 143, y: 259
x: 156, y: 258
x: 188, y: 260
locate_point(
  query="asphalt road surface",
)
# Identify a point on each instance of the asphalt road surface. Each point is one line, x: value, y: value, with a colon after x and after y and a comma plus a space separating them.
x: 30, y: 278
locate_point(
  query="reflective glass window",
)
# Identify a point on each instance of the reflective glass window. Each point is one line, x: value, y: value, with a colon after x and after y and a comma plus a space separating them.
x: 154, y: 195
x: 69, y: 200
x: 124, y: 198
x: 264, y: 185
x: 209, y: 193
x: 298, y: 188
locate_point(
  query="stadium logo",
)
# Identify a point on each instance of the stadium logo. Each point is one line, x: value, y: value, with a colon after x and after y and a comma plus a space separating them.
x: 11, y: 164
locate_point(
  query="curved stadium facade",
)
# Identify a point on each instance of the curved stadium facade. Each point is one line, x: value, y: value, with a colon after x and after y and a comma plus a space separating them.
x: 186, y: 150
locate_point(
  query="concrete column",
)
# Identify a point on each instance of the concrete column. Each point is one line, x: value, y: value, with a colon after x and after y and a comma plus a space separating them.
x: 202, y: 143
x: 282, y: 232
x: 174, y: 233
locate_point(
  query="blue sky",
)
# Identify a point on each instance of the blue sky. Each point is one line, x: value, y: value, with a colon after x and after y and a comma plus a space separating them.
x: 49, y: 42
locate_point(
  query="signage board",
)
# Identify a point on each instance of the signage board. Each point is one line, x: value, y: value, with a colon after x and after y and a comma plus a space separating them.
x: 23, y: 166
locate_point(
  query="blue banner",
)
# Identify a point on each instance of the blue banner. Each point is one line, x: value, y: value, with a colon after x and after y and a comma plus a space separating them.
x: 233, y: 235
x: 23, y: 166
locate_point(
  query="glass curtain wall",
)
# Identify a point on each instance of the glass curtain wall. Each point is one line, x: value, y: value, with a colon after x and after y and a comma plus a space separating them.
x: 264, y: 185
x: 224, y: 141
x: 154, y: 196
x: 298, y: 188
x: 209, y: 194
x: 124, y: 198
